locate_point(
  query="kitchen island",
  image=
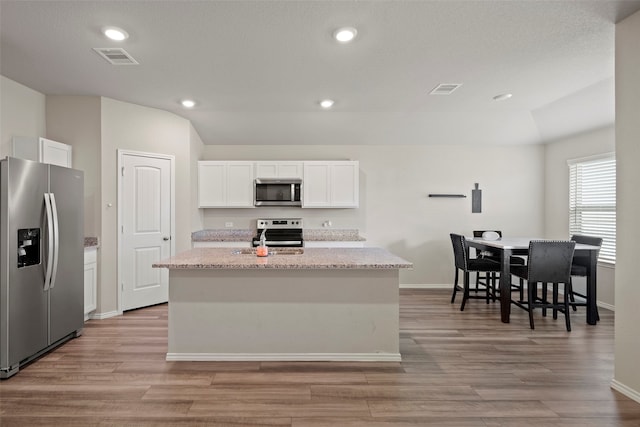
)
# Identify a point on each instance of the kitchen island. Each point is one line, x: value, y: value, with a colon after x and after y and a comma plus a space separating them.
x: 339, y: 304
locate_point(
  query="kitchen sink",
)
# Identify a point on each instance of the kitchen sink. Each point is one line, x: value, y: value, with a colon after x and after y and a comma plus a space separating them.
x: 274, y: 251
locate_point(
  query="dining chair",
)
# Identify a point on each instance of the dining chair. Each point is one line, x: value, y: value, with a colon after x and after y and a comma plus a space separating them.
x: 549, y: 261
x: 466, y: 264
x: 494, y: 256
x: 579, y: 269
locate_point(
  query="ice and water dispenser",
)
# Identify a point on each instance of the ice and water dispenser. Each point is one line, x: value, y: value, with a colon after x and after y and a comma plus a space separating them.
x: 28, y: 247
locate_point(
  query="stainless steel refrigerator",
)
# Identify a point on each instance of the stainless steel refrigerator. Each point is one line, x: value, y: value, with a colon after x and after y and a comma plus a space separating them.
x: 41, y: 259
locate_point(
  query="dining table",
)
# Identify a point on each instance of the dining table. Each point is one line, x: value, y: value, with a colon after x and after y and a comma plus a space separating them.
x: 506, y: 247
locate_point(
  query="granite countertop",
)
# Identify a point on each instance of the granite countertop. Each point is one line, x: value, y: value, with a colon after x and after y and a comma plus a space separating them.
x: 90, y: 242
x: 311, y: 258
x: 223, y: 235
x: 323, y: 235
x: 245, y: 235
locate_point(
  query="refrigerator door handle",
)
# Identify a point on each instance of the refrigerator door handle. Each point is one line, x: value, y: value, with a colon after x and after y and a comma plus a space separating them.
x: 56, y: 240
x: 49, y: 215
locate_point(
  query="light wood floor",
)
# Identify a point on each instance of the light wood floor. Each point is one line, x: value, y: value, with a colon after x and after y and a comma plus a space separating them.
x: 458, y: 369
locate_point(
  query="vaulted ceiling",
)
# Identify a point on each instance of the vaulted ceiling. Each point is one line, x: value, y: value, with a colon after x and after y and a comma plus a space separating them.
x: 257, y: 69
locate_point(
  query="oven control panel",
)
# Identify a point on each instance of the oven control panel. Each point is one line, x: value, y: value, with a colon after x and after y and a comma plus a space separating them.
x: 271, y: 223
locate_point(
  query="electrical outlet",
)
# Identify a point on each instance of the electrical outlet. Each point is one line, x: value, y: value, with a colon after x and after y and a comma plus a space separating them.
x: 228, y: 224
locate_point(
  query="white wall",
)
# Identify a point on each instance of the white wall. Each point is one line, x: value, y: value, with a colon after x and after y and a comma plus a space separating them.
x: 22, y: 113
x: 556, y: 192
x: 395, y: 210
x: 75, y: 120
x: 627, y: 341
x: 196, y: 150
x: 133, y: 127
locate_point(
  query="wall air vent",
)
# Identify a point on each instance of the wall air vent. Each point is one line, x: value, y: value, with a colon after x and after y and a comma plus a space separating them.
x: 115, y: 56
x: 445, y: 88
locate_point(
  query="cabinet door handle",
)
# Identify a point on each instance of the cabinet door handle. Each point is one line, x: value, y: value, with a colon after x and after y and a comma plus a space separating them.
x: 166, y: 238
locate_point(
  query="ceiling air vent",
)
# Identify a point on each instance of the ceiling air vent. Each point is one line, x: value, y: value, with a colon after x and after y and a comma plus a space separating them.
x: 445, y: 88
x: 116, y: 56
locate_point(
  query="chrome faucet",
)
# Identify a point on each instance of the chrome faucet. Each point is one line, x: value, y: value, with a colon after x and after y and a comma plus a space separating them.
x: 263, y: 237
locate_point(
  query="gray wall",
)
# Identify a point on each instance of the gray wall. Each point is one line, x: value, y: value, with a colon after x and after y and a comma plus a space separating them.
x: 395, y: 210
x: 627, y: 342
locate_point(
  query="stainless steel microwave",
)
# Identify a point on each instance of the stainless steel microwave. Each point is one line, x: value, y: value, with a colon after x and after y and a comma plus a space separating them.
x: 278, y: 192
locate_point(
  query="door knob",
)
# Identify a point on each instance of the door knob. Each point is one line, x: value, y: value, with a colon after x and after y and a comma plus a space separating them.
x: 166, y: 238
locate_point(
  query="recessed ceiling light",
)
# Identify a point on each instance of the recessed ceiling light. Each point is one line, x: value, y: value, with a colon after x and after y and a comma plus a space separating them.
x: 502, y: 97
x: 345, y: 35
x: 326, y: 103
x: 115, y: 33
x: 187, y: 103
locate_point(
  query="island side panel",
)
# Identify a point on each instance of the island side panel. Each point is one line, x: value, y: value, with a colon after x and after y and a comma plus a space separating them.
x: 314, y: 314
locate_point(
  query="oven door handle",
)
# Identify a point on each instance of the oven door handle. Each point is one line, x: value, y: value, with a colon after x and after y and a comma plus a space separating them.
x: 279, y: 242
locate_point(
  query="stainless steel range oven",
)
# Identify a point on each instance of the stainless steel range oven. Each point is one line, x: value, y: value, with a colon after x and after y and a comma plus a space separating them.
x: 279, y: 232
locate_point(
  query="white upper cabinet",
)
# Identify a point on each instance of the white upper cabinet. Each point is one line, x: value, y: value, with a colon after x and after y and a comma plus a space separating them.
x: 225, y: 184
x: 42, y: 150
x: 331, y: 184
x: 279, y: 169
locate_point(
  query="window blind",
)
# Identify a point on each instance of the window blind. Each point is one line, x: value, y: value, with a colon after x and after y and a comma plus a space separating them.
x: 592, y: 202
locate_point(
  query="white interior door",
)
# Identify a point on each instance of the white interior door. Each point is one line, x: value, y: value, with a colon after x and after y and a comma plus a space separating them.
x: 145, y: 213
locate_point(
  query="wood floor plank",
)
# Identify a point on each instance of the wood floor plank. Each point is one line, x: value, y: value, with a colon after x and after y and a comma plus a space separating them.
x: 458, y: 369
x: 279, y: 409
x: 387, y: 422
x: 395, y: 392
x: 290, y: 378
x: 191, y: 421
x: 220, y: 393
x: 456, y: 408
x: 545, y: 392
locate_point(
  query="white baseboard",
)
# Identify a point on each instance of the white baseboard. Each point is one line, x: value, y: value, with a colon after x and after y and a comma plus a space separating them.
x: 606, y: 306
x: 285, y: 357
x: 627, y: 391
x: 101, y: 316
x: 425, y: 286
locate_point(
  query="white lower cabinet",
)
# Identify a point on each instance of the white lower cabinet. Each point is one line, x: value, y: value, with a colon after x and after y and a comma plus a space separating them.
x: 90, y: 280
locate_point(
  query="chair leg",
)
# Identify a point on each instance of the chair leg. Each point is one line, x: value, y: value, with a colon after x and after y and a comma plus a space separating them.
x: 488, y: 286
x: 531, y: 291
x: 544, y: 299
x: 571, y: 296
x: 455, y: 287
x: 521, y: 289
x: 567, y: 320
x: 555, y: 300
x: 465, y: 295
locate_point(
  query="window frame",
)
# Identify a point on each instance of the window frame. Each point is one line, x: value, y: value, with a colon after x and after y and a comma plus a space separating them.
x: 599, y: 203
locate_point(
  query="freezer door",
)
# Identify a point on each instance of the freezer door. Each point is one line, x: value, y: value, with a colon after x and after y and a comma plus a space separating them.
x: 23, y: 300
x: 67, y: 285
